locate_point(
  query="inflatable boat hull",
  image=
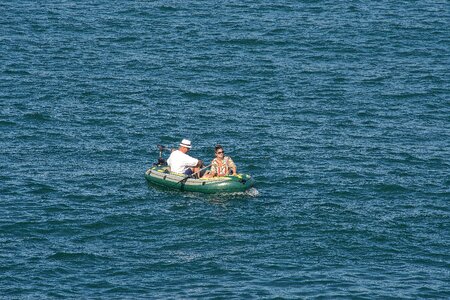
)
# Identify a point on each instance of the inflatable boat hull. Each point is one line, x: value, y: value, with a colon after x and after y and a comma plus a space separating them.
x: 228, y: 184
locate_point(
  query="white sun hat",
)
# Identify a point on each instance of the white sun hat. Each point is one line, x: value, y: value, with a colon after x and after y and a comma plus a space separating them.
x: 186, y: 143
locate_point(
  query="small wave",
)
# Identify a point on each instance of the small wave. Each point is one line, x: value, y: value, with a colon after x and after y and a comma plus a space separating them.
x: 16, y: 72
x: 194, y: 95
x: 127, y: 39
x: 243, y: 42
x: 385, y: 187
x: 7, y: 123
x: 75, y: 256
x: 37, y: 116
x: 41, y: 188
x: 167, y: 8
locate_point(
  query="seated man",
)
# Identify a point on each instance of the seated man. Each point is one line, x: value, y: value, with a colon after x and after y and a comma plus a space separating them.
x: 180, y: 162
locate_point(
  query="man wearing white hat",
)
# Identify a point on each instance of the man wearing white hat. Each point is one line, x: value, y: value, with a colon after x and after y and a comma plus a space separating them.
x: 180, y: 162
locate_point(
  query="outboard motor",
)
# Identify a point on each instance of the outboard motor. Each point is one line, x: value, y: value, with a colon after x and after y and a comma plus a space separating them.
x: 161, y: 161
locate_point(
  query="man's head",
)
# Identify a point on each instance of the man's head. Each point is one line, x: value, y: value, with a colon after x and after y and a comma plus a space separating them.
x: 185, y: 145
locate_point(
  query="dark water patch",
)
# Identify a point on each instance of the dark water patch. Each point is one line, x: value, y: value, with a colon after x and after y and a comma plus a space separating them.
x: 192, y: 95
x: 119, y: 40
x: 167, y: 8
x: 40, y: 188
x: 242, y: 42
x: 391, y: 188
x: 5, y: 123
x: 37, y: 116
x: 76, y: 257
x: 16, y: 72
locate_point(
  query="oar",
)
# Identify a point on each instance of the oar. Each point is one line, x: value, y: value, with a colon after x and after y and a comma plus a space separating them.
x: 189, y: 176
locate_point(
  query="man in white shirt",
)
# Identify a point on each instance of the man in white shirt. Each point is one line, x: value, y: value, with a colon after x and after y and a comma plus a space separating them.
x: 180, y: 162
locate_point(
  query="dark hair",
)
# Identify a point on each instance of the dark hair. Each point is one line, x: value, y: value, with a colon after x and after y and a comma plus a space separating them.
x: 217, y: 147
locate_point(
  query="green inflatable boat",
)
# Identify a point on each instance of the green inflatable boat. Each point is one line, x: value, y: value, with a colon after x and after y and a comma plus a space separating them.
x: 160, y: 175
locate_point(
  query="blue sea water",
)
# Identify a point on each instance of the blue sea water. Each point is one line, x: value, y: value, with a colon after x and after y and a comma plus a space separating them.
x: 339, y: 109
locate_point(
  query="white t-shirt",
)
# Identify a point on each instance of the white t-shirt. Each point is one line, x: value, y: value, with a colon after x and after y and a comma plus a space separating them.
x: 180, y: 162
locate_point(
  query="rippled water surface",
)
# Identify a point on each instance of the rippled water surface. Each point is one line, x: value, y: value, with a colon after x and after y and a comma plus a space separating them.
x: 339, y: 109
